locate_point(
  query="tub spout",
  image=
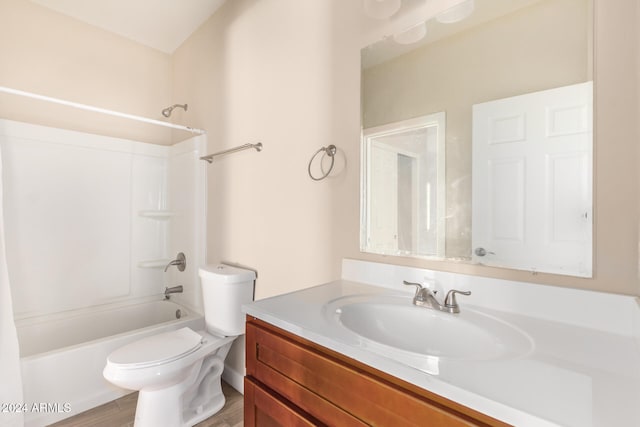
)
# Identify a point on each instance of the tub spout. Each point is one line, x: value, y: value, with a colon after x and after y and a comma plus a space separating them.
x: 172, y: 290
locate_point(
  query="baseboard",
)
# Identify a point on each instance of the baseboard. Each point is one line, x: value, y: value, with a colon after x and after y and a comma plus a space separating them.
x: 234, y: 378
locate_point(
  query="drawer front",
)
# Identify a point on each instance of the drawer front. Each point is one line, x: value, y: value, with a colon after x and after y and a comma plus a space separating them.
x: 321, y: 384
x: 263, y: 409
x: 260, y: 368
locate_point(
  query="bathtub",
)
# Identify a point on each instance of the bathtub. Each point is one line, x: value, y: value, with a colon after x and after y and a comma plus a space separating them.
x: 63, y: 355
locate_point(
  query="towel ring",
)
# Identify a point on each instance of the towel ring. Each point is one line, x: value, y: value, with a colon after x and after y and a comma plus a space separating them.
x: 330, y: 151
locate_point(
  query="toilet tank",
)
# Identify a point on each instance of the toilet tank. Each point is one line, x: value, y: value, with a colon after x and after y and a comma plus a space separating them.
x: 224, y: 290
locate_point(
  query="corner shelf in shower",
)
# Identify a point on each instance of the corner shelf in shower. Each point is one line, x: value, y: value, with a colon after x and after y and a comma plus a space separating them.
x: 154, y: 263
x: 156, y: 214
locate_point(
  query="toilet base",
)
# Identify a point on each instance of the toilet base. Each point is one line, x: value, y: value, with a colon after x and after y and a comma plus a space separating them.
x: 189, y: 402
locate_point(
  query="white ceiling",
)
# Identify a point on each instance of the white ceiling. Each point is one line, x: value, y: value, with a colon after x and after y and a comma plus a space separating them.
x: 161, y: 24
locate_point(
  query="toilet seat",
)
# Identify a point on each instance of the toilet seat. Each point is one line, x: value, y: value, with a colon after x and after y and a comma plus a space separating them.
x: 156, y: 350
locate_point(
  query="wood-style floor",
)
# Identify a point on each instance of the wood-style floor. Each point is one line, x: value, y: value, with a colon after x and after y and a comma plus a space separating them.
x: 120, y: 413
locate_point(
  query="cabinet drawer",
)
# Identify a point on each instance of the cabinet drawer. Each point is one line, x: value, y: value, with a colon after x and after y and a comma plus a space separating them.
x: 341, y: 391
x: 267, y: 369
x: 264, y: 409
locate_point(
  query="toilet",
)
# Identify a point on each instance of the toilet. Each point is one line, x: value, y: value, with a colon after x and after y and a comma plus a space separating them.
x: 178, y: 373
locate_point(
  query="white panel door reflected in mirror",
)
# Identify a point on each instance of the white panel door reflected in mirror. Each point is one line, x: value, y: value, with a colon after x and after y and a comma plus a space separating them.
x: 404, y: 187
x: 532, y: 181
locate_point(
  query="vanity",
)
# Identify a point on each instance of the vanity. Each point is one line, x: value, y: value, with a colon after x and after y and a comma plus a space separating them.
x: 358, y: 352
x: 293, y: 381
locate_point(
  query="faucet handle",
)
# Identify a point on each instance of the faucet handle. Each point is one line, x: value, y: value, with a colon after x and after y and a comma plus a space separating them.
x: 418, y: 286
x: 450, y: 300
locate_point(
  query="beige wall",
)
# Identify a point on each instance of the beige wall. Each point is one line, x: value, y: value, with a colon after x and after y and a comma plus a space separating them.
x: 252, y: 79
x: 287, y: 74
x: 265, y: 71
x: 47, y: 53
x: 277, y: 72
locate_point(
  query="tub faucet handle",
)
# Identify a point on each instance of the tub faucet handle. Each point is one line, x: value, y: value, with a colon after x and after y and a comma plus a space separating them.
x: 180, y: 262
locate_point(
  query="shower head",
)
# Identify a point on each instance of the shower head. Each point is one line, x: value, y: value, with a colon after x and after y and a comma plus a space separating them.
x: 167, y: 111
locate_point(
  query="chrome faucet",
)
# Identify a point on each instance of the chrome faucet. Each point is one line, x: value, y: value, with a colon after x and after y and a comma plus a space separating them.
x: 180, y: 262
x: 425, y: 297
x: 172, y: 290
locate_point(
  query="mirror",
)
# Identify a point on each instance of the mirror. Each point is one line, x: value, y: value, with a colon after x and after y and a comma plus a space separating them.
x: 477, y: 137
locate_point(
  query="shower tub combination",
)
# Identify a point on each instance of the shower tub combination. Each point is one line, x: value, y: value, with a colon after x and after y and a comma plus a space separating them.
x: 102, y: 216
x: 62, y: 356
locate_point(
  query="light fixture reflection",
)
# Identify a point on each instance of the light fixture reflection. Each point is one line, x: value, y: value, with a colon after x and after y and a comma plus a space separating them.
x: 456, y: 13
x: 411, y: 35
x: 381, y: 9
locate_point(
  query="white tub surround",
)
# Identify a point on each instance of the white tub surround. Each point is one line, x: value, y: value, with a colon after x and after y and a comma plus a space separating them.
x: 583, y: 368
x: 91, y: 223
x: 99, y: 217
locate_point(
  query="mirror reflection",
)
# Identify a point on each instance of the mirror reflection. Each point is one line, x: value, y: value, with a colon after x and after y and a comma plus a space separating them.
x: 405, y: 195
x: 477, y: 137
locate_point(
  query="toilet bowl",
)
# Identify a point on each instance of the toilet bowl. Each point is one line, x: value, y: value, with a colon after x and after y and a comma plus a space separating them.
x: 178, y: 373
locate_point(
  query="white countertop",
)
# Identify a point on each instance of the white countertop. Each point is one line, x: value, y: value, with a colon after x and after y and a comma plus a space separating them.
x: 573, y: 376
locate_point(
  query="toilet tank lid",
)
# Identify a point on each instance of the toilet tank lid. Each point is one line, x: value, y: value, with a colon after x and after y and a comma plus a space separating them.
x: 227, y: 273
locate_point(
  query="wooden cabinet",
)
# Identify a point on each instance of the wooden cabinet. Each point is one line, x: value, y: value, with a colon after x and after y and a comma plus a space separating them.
x: 293, y: 382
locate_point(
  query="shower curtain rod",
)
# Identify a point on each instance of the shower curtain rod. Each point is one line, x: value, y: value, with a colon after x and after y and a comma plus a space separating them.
x: 99, y: 110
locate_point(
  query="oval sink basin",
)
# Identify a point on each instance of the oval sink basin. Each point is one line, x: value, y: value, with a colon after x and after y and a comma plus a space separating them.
x: 397, y: 324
